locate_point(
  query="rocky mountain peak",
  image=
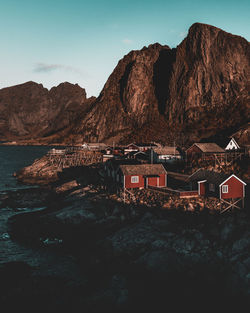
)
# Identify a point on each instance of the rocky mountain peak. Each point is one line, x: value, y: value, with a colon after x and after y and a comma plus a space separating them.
x: 192, y: 91
x: 31, y: 111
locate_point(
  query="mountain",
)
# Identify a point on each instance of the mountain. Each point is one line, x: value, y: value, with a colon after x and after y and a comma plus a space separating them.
x: 30, y: 111
x: 193, y: 92
x: 197, y: 91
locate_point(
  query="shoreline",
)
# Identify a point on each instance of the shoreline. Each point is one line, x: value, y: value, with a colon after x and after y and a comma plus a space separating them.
x: 33, y: 144
x: 122, y: 248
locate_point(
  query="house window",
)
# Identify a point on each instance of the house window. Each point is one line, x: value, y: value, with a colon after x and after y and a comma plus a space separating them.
x: 225, y: 189
x: 134, y: 179
x: 211, y: 187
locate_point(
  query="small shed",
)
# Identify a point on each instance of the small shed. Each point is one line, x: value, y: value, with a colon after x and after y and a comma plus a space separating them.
x: 166, y: 154
x: 96, y: 146
x: 56, y: 152
x: 132, y: 147
x: 204, y: 150
x: 146, y: 146
x: 139, y: 147
x: 138, y: 155
x: 142, y: 175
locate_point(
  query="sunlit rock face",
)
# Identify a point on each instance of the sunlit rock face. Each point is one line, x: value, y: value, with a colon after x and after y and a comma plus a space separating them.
x: 197, y: 90
x: 209, y: 90
x: 128, y: 100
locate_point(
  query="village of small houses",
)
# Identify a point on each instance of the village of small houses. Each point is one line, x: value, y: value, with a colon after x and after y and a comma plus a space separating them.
x: 202, y: 177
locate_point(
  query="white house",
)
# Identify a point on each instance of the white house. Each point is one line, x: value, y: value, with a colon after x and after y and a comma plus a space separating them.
x: 232, y: 145
x: 165, y: 154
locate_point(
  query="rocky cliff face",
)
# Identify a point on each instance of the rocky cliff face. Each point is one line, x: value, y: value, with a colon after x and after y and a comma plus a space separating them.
x: 128, y: 100
x: 194, y: 91
x: 198, y: 90
x: 30, y: 111
x: 208, y: 85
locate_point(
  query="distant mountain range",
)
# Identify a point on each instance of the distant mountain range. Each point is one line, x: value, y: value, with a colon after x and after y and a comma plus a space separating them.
x: 197, y: 91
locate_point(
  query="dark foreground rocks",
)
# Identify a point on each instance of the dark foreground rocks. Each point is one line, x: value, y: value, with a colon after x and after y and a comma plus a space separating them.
x: 135, y: 260
x: 26, y: 198
x: 131, y: 258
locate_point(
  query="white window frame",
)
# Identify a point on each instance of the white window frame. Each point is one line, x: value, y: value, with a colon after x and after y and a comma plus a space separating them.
x: 134, y: 179
x: 224, y: 188
x: 211, y: 187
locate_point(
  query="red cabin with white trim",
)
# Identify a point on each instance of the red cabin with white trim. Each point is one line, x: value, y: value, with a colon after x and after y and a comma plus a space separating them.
x: 232, y: 188
x: 216, y: 184
x: 142, y: 175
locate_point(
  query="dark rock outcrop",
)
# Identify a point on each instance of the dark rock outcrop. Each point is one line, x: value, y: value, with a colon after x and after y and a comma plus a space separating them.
x: 151, y: 260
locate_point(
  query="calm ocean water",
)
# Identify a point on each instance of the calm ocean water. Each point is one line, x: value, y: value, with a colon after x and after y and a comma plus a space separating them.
x: 13, y: 158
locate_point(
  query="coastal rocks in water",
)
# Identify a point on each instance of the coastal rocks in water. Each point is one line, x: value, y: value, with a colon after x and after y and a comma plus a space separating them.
x: 81, y: 217
x: 41, y: 172
x: 25, y: 198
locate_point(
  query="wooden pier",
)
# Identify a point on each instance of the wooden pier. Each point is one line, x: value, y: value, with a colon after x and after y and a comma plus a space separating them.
x: 69, y: 158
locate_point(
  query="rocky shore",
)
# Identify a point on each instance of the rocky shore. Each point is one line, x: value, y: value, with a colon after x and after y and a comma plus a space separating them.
x: 132, y: 257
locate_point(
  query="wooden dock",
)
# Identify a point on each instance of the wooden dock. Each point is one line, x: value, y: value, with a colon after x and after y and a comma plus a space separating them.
x: 73, y: 159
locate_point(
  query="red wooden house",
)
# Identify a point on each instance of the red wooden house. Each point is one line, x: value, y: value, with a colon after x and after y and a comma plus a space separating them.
x: 142, y: 175
x: 219, y: 185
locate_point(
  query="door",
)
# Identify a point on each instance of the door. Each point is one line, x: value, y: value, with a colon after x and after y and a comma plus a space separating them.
x: 152, y: 181
x: 202, y: 188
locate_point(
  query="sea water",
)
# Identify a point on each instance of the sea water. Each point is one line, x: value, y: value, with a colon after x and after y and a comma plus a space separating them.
x: 12, y: 159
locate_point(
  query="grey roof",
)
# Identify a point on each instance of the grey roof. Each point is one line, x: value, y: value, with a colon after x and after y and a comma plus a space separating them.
x: 210, y: 176
x: 209, y: 147
x: 140, y: 144
x: 143, y: 169
x: 167, y: 150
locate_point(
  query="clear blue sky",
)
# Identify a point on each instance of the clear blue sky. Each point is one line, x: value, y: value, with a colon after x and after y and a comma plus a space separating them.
x: 81, y: 41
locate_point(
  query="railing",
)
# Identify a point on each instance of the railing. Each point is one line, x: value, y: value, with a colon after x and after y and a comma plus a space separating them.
x: 163, y: 189
x: 193, y: 193
x: 181, y: 194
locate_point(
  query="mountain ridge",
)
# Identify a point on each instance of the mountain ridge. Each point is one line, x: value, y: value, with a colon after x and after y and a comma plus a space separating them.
x: 29, y: 111
x: 195, y: 91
